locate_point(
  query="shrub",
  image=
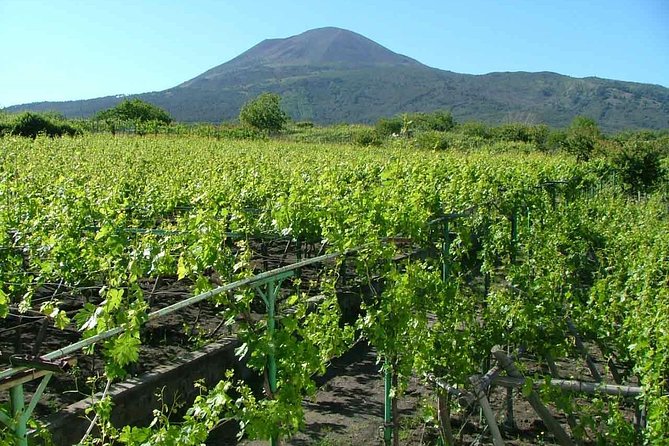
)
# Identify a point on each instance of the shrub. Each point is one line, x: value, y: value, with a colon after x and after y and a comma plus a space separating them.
x: 386, y: 127
x: 475, y: 129
x: 582, y: 138
x: 30, y: 125
x: 366, y: 137
x: 639, y: 166
x: 556, y: 140
x: 433, y: 140
x: 228, y: 131
x: 441, y: 121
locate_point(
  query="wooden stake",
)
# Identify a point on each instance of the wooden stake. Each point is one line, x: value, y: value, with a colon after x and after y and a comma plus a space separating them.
x: 479, y: 392
x: 581, y: 348
x: 507, y: 364
x: 571, y: 419
x: 444, y: 416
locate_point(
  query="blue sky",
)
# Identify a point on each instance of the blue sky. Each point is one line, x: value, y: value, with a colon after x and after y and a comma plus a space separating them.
x: 67, y: 49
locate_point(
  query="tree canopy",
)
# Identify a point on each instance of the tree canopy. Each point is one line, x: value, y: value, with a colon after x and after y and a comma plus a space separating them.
x: 135, y: 110
x: 582, y: 137
x: 264, y: 113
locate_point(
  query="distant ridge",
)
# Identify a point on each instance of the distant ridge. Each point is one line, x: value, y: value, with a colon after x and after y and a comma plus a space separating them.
x: 330, y: 75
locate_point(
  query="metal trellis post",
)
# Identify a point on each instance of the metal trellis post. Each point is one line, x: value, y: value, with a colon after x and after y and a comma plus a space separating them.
x: 445, y: 271
x: 387, y: 415
x: 269, y: 298
x: 20, y: 413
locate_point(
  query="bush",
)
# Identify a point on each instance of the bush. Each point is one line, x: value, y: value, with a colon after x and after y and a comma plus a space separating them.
x: 264, y: 113
x: 30, y: 125
x: 474, y: 129
x: 556, y: 141
x: 656, y: 140
x: 433, y: 140
x: 229, y: 131
x: 366, y: 137
x: 386, y: 127
x: 639, y: 166
x: 440, y: 121
x: 582, y: 138
x: 5, y: 129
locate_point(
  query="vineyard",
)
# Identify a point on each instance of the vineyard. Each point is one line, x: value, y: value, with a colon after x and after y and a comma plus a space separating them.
x: 455, y: 267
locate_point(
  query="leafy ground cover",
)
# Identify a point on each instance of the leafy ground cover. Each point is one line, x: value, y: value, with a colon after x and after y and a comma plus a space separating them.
x: 520, y: 242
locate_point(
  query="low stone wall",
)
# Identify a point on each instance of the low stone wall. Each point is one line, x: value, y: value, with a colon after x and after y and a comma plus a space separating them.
x: 135, y: 399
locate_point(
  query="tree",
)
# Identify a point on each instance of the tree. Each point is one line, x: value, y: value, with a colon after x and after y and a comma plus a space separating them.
x: 582, y: 137
x: 135, y: 110
x: 439, y: 120
x: 264, y: 113
x: 639, y: 164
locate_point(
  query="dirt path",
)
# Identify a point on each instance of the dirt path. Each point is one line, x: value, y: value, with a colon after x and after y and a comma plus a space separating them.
x: 348, y: 408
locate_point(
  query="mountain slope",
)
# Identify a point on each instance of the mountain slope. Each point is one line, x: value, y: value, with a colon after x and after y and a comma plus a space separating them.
x: 321, y: 47
x: 331, y: 75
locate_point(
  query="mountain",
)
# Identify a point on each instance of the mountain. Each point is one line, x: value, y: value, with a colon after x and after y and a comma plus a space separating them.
x: 323, y: 47
x: 331, y: 75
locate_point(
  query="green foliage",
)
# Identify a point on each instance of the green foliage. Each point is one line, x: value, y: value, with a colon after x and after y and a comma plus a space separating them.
x: 264, y: 113
x: 389, y: 126
x: 334, y: 134
x: 135, y: 110
x: 304, y: 124
x: 582, y: 137
x: 440, y: 121
x: 475, y: 129
x: 538, y: 136
x: 432, y: 140
x: 366, y: 137
x: 396, y: 324
x: 556, y: 141
x: 31, y: 125
x: 227, y: 131
x: 592, y: 256
x: 639, y: 166
x: 535, y: 134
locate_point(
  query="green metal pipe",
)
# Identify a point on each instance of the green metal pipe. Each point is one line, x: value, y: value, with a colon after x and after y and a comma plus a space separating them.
x: 35, y: 399
x: 268, y: 275
x: 514, y: 235
x: 17, y: 404
x: 271, y: 360
x: 445, y: 247
x: 271, y: 324
x: 388, y: 413
x: 298, y: 252
x: 7, y: 420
